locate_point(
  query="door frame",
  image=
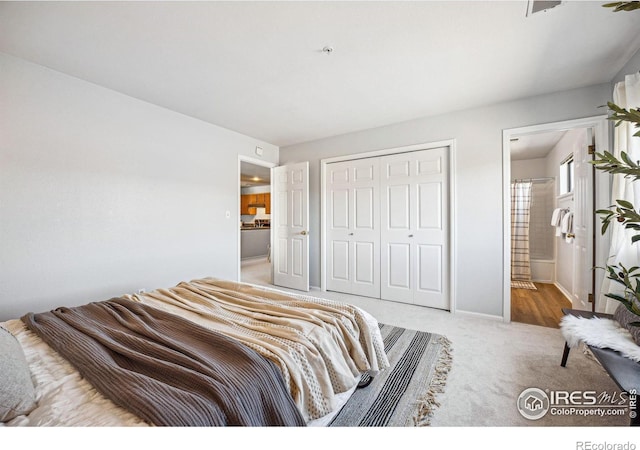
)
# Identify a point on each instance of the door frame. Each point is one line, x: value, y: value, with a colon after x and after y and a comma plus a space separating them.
x: 451, y: 144
x: 600, y: 126
x: 257, y: 162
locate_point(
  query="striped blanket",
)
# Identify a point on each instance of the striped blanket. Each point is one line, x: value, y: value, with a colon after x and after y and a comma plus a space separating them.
x: 165, y: 369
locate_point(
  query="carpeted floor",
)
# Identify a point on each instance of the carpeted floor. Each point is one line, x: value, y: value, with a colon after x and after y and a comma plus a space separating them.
x: 406, y: 393
x: 493, y: 363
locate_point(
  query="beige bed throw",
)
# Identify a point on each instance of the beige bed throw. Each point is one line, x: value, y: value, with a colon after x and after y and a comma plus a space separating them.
x: 321, y: 347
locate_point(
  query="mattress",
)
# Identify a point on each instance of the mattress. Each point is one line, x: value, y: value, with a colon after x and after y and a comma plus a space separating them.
x: 346, y: 344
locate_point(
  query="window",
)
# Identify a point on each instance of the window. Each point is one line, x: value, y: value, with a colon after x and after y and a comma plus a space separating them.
x: 566, y: 175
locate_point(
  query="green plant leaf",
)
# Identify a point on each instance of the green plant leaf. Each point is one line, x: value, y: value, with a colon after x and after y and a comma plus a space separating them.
x: 625, y: 204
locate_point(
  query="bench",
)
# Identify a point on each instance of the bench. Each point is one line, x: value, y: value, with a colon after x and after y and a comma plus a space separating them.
x: 623, y: 371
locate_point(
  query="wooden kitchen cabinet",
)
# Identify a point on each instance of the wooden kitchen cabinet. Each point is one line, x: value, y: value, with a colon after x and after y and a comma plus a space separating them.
x: 245, y: 200
x: 251, y: 199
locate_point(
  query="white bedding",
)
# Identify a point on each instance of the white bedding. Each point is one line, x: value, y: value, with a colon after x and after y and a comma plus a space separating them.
x: 65, y: 399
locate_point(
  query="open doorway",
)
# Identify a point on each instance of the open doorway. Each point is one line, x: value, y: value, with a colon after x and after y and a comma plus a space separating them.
x: 548, y: 179
x: 255, y: 222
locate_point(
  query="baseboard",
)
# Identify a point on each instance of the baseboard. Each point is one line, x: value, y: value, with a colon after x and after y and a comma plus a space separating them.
x: 563, y: 291
x: 251, y: 258
x: 478, y: 315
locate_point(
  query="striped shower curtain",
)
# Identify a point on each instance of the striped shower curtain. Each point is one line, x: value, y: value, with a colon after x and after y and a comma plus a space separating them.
x: 520, y: 212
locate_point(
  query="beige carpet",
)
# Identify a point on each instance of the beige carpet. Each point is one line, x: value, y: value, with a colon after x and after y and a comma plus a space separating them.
x: 493, y: 362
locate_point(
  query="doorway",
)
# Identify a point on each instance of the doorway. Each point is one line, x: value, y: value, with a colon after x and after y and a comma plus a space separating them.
x: 549, y: 164
x: 254, y: 242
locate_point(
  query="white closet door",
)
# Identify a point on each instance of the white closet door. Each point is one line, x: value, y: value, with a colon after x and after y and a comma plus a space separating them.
x: 414, y: 240
x: 338, y: 226
x: 353, y: 227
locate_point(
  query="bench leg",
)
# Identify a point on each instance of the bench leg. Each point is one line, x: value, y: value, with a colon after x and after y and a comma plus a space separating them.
x: 565, y: 355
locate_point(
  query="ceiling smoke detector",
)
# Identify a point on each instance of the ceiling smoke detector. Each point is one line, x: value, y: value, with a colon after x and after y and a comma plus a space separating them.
x: 327, y: 50
x: 536, y: 6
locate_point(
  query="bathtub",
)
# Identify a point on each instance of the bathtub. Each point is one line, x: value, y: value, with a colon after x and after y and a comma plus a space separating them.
x: 543, y: 270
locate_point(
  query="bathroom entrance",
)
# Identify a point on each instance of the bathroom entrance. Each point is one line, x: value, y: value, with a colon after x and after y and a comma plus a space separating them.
x: 550, y: 221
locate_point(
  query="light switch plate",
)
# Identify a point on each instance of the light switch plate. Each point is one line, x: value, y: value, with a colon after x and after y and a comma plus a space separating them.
x: 259, y: 151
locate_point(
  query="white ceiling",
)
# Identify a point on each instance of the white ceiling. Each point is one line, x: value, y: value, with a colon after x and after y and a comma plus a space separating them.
x: 534, y: 146
x: 258, y: 67
x: 254, y: 175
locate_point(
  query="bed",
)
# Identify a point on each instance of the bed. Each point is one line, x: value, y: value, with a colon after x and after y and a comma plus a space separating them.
x: 206, y: 352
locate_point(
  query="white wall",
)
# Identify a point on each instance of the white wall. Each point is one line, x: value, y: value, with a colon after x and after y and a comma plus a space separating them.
x: 255, y: 189
x: 102, y: 194
x: 479, y: 184
x: 529, y: 168
x: 632, y: 66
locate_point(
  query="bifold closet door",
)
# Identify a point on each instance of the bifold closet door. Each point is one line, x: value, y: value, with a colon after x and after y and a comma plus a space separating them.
x: 353, y: 227
x: 414, y: 238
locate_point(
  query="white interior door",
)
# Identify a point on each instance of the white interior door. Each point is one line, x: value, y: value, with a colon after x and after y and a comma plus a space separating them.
x: 414, y: 236
x: 583, y: 222
x: 290, y: 223
x: 353, y: 227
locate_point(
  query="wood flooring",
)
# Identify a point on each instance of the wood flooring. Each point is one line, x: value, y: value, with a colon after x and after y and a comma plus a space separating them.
x: 541, y: 307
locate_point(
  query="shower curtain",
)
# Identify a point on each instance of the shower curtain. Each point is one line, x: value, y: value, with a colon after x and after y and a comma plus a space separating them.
x: 520, y: 213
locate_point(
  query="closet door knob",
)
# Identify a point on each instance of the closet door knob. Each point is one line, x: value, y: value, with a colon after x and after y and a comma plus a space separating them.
x: 350, y: 234
x: 411, y: 235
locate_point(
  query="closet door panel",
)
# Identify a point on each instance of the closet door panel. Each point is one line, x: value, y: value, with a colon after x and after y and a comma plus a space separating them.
x: 353, y: 222
x: 338, y: 204
x: 398, y: 205
x: 429, y: 268
x: 413, y: 236
x: 339, y: 209
x: 395, y: 237
x: 364, y: 199
x: 365, y: 239
x: 429, y: 206
x: 365, y: 268
x: 340, y: 260
x: 430, y: 229
x: 366, y: 231
x: 397, y: 276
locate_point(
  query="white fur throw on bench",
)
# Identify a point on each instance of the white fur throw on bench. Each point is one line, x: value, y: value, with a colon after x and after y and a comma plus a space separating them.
x: 601, y: 333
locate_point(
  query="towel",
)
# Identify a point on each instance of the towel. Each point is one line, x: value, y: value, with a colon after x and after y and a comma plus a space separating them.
x: 556, y: 219
x: 567, y: 227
